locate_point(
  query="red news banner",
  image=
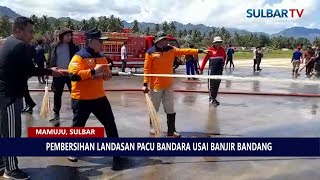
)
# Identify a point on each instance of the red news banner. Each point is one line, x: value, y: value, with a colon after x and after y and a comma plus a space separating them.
x: 65, y: 132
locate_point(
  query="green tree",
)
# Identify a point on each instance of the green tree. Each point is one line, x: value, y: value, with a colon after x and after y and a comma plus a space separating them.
x: 114, y: 24
x: 92, y: 23
x: 84, y: 25
x: 135, y: 27
x: 180, y: 33
x: 103, y: 23
x: 44, y: 25
x: 69, y: 24
x: 185, y: 32
x: 56, y: 25
x: 165, y: 27
x: 148, y: 31
x: 172, y: 28
x: 156, y: 28
x: 5, y: 26
x: 316, y: 41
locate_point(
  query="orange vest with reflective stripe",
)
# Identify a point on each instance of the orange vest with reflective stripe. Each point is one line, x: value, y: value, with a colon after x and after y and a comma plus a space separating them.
x: 84, y: 87
x: 160, y: 61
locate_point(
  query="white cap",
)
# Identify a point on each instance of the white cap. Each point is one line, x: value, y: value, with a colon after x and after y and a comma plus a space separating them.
x: 217, y: 39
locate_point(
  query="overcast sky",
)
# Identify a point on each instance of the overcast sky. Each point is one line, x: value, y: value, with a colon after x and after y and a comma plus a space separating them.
x: 227, y: 13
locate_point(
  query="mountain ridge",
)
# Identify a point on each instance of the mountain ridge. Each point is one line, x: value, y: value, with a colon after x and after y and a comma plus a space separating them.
x: 295, y: 32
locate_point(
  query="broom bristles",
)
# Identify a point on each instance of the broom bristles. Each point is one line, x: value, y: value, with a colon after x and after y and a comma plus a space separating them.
x: 45, y: 108
x: 155, y: 119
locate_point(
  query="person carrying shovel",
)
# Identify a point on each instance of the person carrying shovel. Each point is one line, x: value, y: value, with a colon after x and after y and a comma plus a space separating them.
x: 159, y: 60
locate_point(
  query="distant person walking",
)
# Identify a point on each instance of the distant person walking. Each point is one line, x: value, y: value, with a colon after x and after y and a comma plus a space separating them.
x: 190, y: 59
x: 124, y: 56
x: 257, y: 57
x: 40, y: 58
x: 296, y: 60
x: 230, y: 52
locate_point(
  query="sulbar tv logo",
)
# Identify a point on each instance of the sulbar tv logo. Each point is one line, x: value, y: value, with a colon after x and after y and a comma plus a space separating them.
x: 274, y: 13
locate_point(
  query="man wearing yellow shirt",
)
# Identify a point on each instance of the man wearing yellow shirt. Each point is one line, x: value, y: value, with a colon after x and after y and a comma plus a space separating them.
x: 159, y: 60
x: 88, y: 70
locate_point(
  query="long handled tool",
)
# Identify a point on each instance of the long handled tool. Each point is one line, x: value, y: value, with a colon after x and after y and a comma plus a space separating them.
x: 305, y: 65
x: 154, y: 117
x: 45, y: 107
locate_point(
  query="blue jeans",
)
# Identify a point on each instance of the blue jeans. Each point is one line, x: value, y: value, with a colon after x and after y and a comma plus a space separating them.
x: 190, y: 67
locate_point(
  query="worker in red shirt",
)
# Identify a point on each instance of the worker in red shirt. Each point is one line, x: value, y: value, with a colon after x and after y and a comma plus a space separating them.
x: 216, y: 57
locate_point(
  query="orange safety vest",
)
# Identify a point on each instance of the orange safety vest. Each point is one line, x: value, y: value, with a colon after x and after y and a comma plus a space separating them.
x: 160, y: 61
x: 84, y: 87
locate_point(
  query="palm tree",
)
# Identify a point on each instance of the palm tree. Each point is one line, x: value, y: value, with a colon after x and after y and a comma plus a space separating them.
x: 135, y: 27
x: 172, y: 28
x: 84, y: 25
x: 147, y: 31
x: 56, y: 24
x: 157, y: 28
x: 69, y: 24
x: 103, y: 23
x: 114, y: 24
x: 92, y: 23
x: 44, y: 24
x: 5, y: 26
x: 165, y: 27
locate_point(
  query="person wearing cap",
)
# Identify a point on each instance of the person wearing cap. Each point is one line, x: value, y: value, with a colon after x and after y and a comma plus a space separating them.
x: 216, y: 57
x: 88, y: 70
x: 159, y: 60
x: 62, y: 52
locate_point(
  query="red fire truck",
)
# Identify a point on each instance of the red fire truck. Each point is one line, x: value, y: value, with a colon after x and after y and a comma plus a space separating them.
x: 136, y: 46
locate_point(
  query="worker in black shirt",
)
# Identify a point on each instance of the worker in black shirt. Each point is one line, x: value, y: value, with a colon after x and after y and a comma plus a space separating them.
x: 15, y: 68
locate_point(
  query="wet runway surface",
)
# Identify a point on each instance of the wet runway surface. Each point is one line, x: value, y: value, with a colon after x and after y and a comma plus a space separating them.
x: 244, y: 116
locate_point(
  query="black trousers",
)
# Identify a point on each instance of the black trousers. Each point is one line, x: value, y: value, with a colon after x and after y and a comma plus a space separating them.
x: 27, y: 98
x: 230, y: 59
x: 10, y: 125
x: 101, y: 108
x: 40, y: 78
x: 215, y: 68
x: 57, y: 88
x: 309, y: 67
x: 256, y: 62
x: 124, y: 65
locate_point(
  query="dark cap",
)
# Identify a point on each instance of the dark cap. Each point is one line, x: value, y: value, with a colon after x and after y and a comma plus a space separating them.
x: 160, y: 36
x: 94, y: 34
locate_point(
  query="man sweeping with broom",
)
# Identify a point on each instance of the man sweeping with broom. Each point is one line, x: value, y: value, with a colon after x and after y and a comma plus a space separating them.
x: 159, y: 60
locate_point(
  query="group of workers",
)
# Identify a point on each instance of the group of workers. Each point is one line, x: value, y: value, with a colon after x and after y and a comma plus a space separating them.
x: 310, y: 57
x: 81, y: 70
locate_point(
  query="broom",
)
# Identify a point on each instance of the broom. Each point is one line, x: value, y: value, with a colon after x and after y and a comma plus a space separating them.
x: 155, y: 119
x: 45, y: 108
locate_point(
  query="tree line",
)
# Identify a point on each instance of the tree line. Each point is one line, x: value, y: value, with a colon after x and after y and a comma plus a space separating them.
x: 45, y: 25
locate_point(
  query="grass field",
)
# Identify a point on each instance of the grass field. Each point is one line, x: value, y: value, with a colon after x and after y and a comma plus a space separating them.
x: 269, y: 54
